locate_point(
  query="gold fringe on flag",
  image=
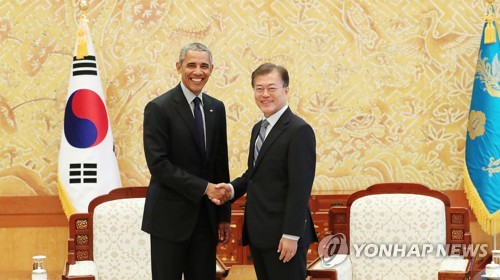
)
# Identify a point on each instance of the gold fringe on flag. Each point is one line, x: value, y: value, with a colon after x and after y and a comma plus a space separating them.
x: 489, y: 33
x: 485, y: 219
x: 67, y: 206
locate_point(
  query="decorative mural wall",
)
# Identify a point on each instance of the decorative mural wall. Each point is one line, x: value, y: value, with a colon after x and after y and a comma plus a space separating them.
x: 385, y: 84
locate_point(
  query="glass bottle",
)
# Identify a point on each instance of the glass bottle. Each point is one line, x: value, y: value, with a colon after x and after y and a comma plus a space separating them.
x: 39, y: 272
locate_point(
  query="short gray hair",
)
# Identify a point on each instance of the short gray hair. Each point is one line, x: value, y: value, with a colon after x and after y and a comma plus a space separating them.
x: 194, y: 47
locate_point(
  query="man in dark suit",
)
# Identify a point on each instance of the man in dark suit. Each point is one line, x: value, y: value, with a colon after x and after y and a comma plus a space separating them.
x: 185, y: 144
x: 281, y: 164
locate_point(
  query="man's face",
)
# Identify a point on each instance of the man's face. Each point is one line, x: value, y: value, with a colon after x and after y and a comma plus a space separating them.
x: 195, y: 70
x: 270, y: 95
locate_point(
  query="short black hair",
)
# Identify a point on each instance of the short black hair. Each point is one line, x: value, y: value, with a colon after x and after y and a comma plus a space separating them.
x: 267, y: 68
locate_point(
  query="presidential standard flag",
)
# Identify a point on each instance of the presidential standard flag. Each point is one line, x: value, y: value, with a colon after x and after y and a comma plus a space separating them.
x: 482, y: 147
x: 87, y: 162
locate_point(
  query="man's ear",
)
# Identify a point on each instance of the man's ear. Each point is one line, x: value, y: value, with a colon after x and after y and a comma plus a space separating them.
x: 178, y: 66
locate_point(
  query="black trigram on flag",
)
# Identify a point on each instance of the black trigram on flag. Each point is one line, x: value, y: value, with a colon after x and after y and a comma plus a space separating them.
x: 82, y: 173
x: 85, y: 66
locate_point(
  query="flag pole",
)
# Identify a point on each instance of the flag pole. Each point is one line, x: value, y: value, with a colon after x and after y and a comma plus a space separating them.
x: 82, y: 50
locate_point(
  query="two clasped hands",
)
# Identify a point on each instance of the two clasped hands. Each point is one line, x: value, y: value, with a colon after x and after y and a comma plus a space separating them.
x: 219, y: 193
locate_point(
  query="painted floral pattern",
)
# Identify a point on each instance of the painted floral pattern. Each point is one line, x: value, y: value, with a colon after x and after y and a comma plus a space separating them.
x: 385, y: 85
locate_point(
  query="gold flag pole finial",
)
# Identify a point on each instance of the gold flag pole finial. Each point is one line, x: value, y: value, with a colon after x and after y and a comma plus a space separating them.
x: 84, y: 5
x: 82, y: 50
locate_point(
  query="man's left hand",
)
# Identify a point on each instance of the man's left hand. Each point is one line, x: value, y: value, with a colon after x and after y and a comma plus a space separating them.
x: 287, y: 249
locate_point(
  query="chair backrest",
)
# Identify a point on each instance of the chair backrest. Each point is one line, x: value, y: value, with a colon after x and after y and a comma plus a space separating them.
x: 110, y: 235
x: 399, y: 231
x: 121, y: 249
x: 384, y: 221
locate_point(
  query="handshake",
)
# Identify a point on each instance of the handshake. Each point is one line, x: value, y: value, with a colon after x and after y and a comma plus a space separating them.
x: 219, y: 193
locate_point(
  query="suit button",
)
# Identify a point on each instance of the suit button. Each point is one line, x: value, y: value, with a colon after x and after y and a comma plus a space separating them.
x: 250, y: 182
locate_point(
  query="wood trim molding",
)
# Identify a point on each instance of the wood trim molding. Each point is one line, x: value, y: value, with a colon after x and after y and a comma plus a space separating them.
x: 46, y: 211
x: 31, y: 211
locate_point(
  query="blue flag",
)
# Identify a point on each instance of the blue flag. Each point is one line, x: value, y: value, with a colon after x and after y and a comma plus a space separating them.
x: 482, y: 146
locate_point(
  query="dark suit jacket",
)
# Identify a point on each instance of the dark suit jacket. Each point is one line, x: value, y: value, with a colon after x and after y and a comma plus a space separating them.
x: 279, y: 186
x: 180, y: 171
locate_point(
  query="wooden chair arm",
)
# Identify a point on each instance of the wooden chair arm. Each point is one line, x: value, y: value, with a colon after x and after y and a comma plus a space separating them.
x: 320, y: 274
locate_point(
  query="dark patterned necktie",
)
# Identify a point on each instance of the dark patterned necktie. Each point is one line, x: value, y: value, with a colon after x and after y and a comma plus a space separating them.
x: 199, y: 123
x: 260, y: 140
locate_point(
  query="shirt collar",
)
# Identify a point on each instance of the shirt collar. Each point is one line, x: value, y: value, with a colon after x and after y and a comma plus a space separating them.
x: 190, y: 96
x: 273, y: 119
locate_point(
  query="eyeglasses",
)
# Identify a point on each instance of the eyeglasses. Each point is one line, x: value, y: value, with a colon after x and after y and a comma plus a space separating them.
x: 271, y: 90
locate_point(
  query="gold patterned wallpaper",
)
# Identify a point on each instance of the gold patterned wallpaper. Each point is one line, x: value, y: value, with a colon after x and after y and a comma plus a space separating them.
x: 386, y: 84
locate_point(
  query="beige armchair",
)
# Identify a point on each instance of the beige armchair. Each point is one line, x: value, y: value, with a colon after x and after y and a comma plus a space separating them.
x: 396, y: 231
x: 108, y: 243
